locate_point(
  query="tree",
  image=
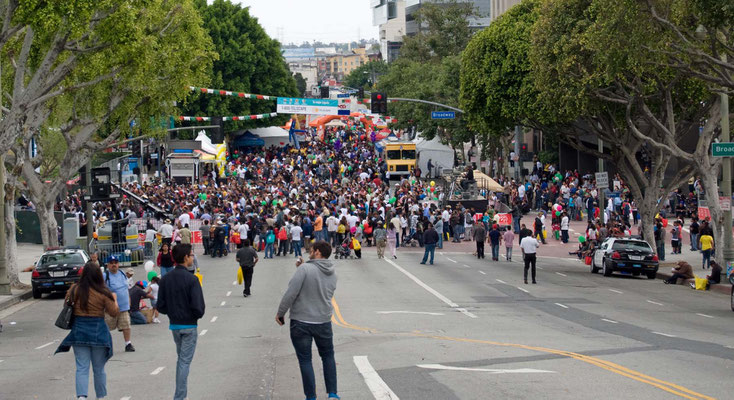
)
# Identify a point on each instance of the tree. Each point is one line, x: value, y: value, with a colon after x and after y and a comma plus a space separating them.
x: 301, y: 84
x: 86, y: 69
x: 427, y: 69
x: 249, y: 61
x: 362, y: 76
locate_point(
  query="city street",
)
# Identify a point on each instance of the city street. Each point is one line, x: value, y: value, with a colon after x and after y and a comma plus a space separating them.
x: 460, y: 329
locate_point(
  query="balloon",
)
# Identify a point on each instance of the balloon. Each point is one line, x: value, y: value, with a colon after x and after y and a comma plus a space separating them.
x: 433, y: 183
x: 361, y: 226
x: 559, y: 208
x: 94, y: 235
x: 433, y: 189
x: 275, y: 202
x: 149, y: 266
x: 151, y: 275
x: 128, y: 252
x: 558, y: 213
x: 263, y: 202
x: 582, y: 239
x: 393, y: 199
x: 435, y: 198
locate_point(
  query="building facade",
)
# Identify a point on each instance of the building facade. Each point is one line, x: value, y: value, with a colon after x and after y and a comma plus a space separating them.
x: 389, y: 16
x: 499, y: 7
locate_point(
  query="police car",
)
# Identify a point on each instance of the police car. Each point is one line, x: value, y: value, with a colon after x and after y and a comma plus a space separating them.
x: 57, y: 270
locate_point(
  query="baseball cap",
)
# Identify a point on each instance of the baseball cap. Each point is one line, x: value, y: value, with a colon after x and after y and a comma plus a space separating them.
x: 129, y: 271
x: 113, y: 259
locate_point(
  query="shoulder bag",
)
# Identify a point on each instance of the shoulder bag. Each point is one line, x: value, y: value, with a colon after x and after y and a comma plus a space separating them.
x: 66, y: 316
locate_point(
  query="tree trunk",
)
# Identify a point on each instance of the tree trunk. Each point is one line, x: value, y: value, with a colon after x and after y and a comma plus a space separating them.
x: 711, y: 188
x: 49, y: 227
x: 12, y: 245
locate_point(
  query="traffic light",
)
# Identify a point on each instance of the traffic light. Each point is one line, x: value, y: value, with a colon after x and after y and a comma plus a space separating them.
x: 523, y: 151
x: 360, y: 94
x: 378, y: 103
x: 100, y: 183
x: 135, y: 147
x: 324, y: 92
x: 217, y: 133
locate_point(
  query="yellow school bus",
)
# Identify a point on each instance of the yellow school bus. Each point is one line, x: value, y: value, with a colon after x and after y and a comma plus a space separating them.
x: 400, y: 156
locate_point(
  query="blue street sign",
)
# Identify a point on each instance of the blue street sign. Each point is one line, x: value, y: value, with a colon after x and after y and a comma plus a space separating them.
x: 443, y: 115
x: 342, y: 96
x: 344, y: 112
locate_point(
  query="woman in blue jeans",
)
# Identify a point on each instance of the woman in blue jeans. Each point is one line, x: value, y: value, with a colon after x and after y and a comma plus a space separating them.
x: 89, y: 334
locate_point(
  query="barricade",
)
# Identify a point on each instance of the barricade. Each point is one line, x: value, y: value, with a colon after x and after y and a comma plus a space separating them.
x: 197, y: 242
x: 128, y: 256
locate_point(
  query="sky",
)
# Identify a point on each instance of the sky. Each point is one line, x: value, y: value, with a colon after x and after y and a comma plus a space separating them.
x: 298, y: 21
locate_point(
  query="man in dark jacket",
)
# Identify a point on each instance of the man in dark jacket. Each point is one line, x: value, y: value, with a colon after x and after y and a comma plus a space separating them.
x: 538, y: 226
x: 480, y: 235
x: 524, y: 231
x: 180, y: 297
x: 430, y: 238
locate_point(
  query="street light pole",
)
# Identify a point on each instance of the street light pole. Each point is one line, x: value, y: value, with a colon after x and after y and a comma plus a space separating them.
x: 4, y: 281
x: 728, y: 252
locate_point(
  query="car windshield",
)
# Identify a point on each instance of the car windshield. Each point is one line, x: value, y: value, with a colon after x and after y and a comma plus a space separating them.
x: 61, y: 258
x: 631, y: 245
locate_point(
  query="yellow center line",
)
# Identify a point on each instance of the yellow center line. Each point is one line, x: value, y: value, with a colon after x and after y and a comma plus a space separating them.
x: 669, y: 387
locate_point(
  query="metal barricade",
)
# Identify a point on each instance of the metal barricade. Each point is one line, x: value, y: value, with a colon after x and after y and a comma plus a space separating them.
x: 128, y: 256
x: 194, y: 225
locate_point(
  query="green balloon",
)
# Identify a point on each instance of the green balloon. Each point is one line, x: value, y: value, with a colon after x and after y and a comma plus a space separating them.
x: 275, y: 202
x: 151, y: 274
x: 558, y: 213
x: 263, y: 202
x: 393, y: 199
x: 582, y: 239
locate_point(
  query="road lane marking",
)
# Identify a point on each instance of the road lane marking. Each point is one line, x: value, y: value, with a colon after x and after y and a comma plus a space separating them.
x: 440, y: 252
x: 558, y: 273
x: 1, y: 361
x: 704, y: 315
x: 561, y: 305
x: 468, y: 266
x: 618, y: 369
x: 616, y: 291
x: 540, y: 267
x: 157, y: 370
x: 609, y: 320
x: 377, y: 386
x: 501, y: 281
x: 229, y: 293
x: 524, y: 290
x: 482, y: 272
x: 203, y: 332
x: 125, y: 398
x: 214, y: 319
x: 234, y: 283
x: 431, y: 290
x: 222, y: 303
x: 452, y: 260
x: 664, y: 334
x: 409, y: 312
x: 654, y: 302
x: 492, y: 371
x: 45, y: 345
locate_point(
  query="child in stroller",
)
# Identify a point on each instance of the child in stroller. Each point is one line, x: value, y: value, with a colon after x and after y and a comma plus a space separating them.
x: 343, y: 250
x: 413, y: 240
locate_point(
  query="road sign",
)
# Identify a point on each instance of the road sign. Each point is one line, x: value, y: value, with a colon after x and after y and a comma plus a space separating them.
x: 443, y: 115
x: 725, y: 203
x: 288, y: 105
x: 722, y: 149
x: 342, y: 96
x: 602, y: 180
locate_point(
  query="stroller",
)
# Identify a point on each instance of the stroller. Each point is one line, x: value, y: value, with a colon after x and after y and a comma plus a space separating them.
x: 415, y: 240
x: 344, y: 250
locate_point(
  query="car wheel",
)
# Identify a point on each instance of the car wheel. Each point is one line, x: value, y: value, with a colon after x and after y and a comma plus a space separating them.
x: 652, y: 275
x: 593, y: 268
x: 36, y: 292
x: 607, y: 269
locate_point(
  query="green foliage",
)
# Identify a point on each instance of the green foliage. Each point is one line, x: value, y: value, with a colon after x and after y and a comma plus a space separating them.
x: 361, y: 77
x: 300, y: 84
x: 428, y: 69
x: 548, y: 156
x: 249, y: 61
x: 497, y: 87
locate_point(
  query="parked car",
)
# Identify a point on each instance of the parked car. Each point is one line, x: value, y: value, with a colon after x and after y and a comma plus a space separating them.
x: 57, y: 270
x: 626, y: 255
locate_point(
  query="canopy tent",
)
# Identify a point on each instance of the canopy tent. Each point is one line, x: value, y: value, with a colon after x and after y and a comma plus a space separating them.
x: 271, y: 136
x: 247, y: 139
x: 441, y: 155
x: 336, y: 123
x: 485, y: 182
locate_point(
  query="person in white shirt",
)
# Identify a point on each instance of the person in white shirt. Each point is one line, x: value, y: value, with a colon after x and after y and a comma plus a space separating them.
x: 185, y: 218
x: 296, y: 233
x: 529, y: 246
x: 332, y: 223
x: 166, y: 231
x: 564, y: 227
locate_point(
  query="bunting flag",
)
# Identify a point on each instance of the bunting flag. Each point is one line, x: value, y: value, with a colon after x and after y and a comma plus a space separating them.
x: 242, y: 118
x: 233, y: 94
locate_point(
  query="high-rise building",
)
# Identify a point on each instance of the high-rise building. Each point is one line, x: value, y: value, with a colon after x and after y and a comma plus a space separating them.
x: 499, y: 7
x: 483, y: 9
x: 389, y: 16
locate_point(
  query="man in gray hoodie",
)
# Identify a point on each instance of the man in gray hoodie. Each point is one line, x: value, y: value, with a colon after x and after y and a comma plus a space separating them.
x: 308, y: 298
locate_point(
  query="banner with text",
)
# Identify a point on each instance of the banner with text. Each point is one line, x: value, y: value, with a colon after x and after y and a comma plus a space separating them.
x: 287, y: 105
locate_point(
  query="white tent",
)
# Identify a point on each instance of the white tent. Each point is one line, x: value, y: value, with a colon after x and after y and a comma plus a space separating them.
x: 206, y: 143
x: 441, y: 155
x: 272, y: 135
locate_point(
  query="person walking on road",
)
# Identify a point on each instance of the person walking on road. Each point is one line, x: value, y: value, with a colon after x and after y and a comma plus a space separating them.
x: 508, y: 238
x: 430, y: 238
x: 439, y: 229
x: 89, y: 337
x: 495, y: 237
x: 391, y: 240
x: 247, y: 257
x: 308, y: 297
x: 564, y: 227
x: 538, y: 226
x: 380, y: 235
x: 116, y: 282
x: 180, y: 297
x: 529, y: 246
x: 479, y: 236
x: 165, y: 259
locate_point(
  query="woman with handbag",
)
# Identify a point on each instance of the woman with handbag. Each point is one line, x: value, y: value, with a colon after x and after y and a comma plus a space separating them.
x: 165, y: 259
x: 89, y: 334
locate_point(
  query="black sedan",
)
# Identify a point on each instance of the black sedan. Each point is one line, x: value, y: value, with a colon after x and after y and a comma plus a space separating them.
x: 626, y: 255
x: 57, y: 270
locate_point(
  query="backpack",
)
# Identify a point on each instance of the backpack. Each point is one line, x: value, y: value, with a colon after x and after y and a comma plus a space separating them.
x: 282, y: 234
x: 270, y: 238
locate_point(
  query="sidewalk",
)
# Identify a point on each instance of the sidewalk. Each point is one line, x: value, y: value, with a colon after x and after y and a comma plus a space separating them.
x: 27, y: 255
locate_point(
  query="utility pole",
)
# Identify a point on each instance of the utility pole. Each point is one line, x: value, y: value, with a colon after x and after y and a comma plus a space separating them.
x: 728, y: 252
x: 4, y: 281
x: 518, y: 139
x: 602, y: 204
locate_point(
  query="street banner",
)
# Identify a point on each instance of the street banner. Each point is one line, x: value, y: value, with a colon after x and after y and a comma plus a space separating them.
x: 703, y: 213
x: 504, y: 219
x: 288, y: 105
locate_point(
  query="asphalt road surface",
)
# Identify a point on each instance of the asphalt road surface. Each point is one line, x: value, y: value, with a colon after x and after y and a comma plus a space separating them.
x: 460, y: 329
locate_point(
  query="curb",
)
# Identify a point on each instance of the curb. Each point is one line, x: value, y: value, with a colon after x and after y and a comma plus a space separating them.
x: 723, y: 288
x: 16, y: 299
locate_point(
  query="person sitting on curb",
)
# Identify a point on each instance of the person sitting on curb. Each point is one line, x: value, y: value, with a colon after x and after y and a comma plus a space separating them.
x: 684, y: 271
x: 714, y: 278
